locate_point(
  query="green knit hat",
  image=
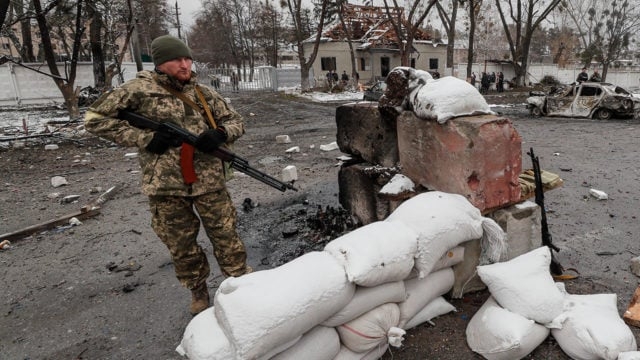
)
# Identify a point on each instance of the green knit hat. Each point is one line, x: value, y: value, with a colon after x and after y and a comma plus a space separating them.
x: 167, y: 47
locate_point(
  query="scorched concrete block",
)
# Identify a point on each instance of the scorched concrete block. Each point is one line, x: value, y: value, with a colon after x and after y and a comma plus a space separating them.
x: 363, y: 132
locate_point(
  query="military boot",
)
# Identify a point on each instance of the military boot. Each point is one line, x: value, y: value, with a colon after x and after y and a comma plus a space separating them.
x: 199, y: 299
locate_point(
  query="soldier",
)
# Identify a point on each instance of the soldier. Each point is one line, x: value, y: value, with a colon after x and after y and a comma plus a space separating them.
x: 183, y: 184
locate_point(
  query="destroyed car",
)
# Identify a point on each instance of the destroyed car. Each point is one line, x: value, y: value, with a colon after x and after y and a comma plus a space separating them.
x: 375, y: 91
x: 589, y: 100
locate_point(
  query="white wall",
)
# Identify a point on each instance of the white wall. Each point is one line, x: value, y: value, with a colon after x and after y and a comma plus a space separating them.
x: 22, y: 86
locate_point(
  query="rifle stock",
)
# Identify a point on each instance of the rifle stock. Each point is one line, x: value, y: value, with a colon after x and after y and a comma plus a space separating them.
x: 223, y: 154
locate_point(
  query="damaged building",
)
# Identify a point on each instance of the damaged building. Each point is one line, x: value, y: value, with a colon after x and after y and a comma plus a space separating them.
x: 375, y: 46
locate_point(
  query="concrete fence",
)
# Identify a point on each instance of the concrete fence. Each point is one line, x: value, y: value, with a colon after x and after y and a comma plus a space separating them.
x: 625, y: 77
x: 22, y: 86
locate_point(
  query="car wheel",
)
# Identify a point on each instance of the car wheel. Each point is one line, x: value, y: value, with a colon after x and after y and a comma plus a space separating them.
x: 536, y: 111
x: 604, y: 114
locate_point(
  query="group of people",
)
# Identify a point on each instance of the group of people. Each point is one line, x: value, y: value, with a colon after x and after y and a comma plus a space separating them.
x: 487, y: 79
x: 234, y: 79
x: 332, y: 78
x: 584, y: 76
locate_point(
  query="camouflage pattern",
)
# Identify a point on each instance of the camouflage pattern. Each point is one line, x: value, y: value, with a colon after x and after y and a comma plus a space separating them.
x: 161, y: 174
x: 176, y: 224
x: 173, y: 203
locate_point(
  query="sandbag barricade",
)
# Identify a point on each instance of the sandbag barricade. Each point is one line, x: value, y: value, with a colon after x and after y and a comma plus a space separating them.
x: 363, y: 283
x: 524, y: 300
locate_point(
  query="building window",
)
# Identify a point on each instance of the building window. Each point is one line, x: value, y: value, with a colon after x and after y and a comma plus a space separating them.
x: 413, y: 63
x: 385, y: 66
x: 433, y: 64
x: 5, y: 46
x: 328, y: 63
x: 364, y: 66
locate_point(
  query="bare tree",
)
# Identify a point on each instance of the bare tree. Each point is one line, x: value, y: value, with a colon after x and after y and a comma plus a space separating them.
x: 472, y: 10
x: 519, y: 20
x: 607, y: 28
x: 449, y: 22
x: 300, y: 34
x: 4, y: 8
x: 406, y: 28
x: 65, y: 84
x: 340, y: 8
x: 269, y: 32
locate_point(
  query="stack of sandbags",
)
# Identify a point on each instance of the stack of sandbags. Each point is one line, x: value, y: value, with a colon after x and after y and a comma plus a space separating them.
x: 267, y: 311
x: 442, y: 222
x: 354, y: 299
x: 526, y: 303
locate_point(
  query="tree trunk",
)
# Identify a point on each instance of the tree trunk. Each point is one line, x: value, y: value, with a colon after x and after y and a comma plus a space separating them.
x: 95, y: 38
x: 472, y: 35
x: 65, y: 85
x: 71, y: 100
x: 304, y: 72
x: 26, y: 51
x: 4, y: 8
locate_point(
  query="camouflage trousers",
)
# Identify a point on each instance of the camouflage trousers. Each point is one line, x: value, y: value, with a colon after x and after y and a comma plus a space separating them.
x: 174, y: 220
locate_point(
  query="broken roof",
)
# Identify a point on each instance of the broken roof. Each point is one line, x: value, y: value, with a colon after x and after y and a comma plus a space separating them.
x: 370, y: 26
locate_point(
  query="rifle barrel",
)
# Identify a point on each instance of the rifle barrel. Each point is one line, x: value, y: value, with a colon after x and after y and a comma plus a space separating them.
x: 223, y: 154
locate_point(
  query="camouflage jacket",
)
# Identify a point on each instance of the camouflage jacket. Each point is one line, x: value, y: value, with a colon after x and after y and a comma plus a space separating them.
x: 161, y: 174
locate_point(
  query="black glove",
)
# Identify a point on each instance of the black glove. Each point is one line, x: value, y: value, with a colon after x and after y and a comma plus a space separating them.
x: 161, y: 142
x: 210, y: 140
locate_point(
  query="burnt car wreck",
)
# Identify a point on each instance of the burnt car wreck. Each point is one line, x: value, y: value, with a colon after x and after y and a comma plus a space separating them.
x: 587, y: 100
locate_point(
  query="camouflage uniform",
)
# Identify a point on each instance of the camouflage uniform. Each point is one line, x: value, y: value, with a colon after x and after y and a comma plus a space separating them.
x: 172, y: 201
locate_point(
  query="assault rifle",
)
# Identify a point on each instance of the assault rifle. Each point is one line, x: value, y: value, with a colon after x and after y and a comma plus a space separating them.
x: 176, y: 131
x: 555, y: 266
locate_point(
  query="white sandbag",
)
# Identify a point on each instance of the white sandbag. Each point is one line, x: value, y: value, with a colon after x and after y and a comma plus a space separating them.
x: 451, y: 257
x: 265, y: 309
x: 525, y: 286
x: 629, y: 355
x: 377, y: 253
x: 203, y: 339
x: 278, y: 349
x: 436, y: 307
x: 443, y: 221
x: 372, y: 329
x: 374, y: 354
x: 320, y: 343
x: 447, y: 97
x: 368, y: 298
x: 499, y: 334
x: 420, y: 292
x: 593, y: 329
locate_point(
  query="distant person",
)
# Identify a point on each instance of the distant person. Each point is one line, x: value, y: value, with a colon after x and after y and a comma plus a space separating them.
x: 344, y: 78
x: 473, y: 79
x: 583, y: 76
x: 595, y: 77
x: 215, y: 81
x: 330, y: 78
x: 484, y: 83
x: 235, y: 80
x: 500, y: 82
